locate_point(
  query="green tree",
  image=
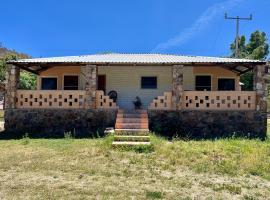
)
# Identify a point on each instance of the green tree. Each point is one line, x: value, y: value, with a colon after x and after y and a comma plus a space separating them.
x: 257, y: 48
x: 27, y: 80
x: 241, y: 47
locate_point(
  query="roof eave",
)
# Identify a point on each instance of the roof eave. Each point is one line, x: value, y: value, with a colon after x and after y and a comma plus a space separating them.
x: 29, y: 66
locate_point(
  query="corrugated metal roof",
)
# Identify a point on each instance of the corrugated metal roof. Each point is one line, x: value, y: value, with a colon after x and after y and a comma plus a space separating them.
x: 134, y: 58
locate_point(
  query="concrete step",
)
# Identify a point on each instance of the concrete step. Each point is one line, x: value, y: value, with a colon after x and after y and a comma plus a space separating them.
x: 131, y: 128
x: 123, y: 143
x: 131, y: 125
x: 132, y: 115
x: 132, y: 138
x: 132, y: 132
x: 120, y: 111
x: 131, y: 120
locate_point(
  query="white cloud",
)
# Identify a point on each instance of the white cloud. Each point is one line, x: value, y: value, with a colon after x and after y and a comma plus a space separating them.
x: 208, y: 15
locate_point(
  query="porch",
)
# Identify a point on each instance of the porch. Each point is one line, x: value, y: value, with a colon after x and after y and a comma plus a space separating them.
x: 167, y: 88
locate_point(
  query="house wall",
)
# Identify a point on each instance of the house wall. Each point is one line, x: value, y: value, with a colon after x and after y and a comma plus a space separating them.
x: 188, y: 79
x: 216, y: 72
x: 59, y: 72
x: 126, y: 81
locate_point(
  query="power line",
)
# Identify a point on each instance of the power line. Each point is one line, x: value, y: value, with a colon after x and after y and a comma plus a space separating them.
x: 237, y: 18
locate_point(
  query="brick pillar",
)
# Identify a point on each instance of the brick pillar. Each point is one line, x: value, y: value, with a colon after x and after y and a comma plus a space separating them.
x: 12, y: 82
x: 90, y: 85
x: 260, y: 86
x: 177, y: 86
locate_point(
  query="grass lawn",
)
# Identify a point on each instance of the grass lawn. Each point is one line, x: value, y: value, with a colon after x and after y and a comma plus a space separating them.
x: 91, y: 169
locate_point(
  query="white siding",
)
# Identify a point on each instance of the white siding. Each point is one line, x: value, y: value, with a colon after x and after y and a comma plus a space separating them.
x: 126, y: 81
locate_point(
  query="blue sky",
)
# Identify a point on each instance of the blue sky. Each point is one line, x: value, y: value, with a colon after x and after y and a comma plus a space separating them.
x: 76, y: 27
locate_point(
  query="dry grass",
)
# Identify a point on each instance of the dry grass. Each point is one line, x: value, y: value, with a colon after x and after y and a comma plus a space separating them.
x: 91, y: 169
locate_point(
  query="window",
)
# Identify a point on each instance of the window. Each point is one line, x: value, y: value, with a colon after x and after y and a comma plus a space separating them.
x: 102, y: 83
x: 71, y: 82
x: 149, y: 82
x: 226, y: 84
x: 48, y: 83
x: 203, y: 83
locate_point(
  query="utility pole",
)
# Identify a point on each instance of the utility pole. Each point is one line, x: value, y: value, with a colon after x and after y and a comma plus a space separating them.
x: 237, y: 18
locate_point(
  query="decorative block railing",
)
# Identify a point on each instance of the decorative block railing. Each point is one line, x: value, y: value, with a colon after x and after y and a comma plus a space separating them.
x: 162, y: 102
x: 103, y: 101
x: 50, y: 99
x: 219, y: 100
x: 192, y: 100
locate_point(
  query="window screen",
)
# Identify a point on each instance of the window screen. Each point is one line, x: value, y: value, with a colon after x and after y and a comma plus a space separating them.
x: 203, y: 83
x: 149, y: 82
x: 71, y: 82
x: 48, y: 83
x: 226, y: 84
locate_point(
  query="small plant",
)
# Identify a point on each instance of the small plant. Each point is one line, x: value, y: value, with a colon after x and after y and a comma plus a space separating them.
x: 137, y: 103
x: 231, y: 188
x: 248, y: 197
x: 25, y: 139
x: 144, y: 149
x: 68, y: 135
x: 97, y: 134
x: 154, y: 195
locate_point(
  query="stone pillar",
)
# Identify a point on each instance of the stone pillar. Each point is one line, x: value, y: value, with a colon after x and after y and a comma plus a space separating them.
x: 260, y: 86
x: 12, y: 82
x: 90, y: 85
x: 177, y: 86
x: 237, y: 83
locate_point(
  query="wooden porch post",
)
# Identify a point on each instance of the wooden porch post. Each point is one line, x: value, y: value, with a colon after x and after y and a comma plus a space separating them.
x: 90, y: 85
x: 12, y: 82
x: 177, y: 86
x: 260, y: 86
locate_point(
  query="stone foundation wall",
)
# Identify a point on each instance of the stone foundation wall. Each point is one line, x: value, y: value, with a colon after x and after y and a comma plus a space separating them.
x: 208, y: 124
x: 53, y: 123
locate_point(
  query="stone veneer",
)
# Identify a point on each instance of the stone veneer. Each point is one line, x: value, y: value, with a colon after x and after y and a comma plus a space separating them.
x: 260, y: 86
x: 90, y: 85
x: 53, y: 123
x: 177, y: 86
x: 12, y: 82
x: 208, y: 124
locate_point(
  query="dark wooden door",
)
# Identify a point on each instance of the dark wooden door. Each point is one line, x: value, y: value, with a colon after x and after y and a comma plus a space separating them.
x: 102, y: 83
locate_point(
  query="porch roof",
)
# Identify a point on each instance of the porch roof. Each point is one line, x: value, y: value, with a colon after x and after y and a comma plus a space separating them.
x: 36, y: 65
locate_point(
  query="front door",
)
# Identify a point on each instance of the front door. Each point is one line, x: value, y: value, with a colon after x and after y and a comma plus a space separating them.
x: 102, y: 83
